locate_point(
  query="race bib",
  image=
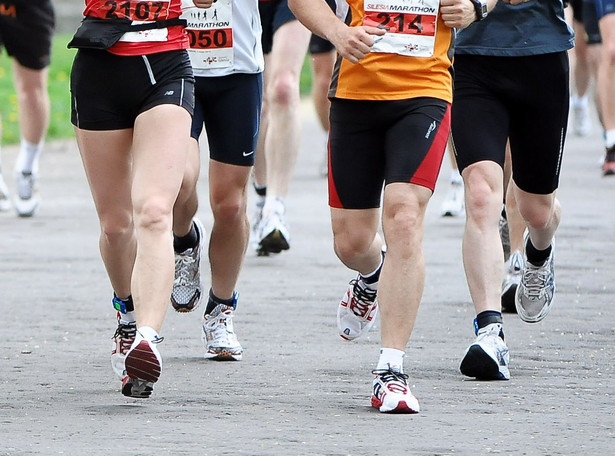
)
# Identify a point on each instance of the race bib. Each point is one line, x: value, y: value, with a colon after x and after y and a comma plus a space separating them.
x: 211, y: 34
x: 410, y: 25
x: 140, y: 12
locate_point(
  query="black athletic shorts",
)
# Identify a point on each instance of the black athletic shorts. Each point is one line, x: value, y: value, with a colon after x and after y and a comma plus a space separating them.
x: 230, y: 107
x: 376, y: 142
x: 26, y: 31
x: 590, y: 22
x: 524, y: 99
x: 274, y: 14
x: 109, y: 91
x: 319, y: 45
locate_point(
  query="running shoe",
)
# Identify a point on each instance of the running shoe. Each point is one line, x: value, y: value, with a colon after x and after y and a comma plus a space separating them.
x: 391, y: 393
x: 255, y: 224
x: 143, y: 366
x: 5, y: 201
x: 535, y: 292
x: 356, y: 313
x: 27, y: 199
x: 218, y: 336
x: 122, y: 341
x: 487, y: 358
x: 454, y: 205
x: 582, y: 124
x: 608, y: 167
x: 504, y: 233
x: 187, y: 286
x: 514, y: 269
x: 273, y: 234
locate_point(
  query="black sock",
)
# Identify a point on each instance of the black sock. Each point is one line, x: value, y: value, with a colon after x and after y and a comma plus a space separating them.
x: 260, y: 191
x: 535, y: 256
x: 215, y: 301
x: 374, y: 276
x: 189, y: 241
x: 488, y: 317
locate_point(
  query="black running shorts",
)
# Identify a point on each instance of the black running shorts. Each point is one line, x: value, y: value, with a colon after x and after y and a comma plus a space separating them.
x: 230, y: 107
x: 109, y: 91
x: 26, y: 31
x: 376, y: 142
x: 524, y: 99
x: 274, y: 14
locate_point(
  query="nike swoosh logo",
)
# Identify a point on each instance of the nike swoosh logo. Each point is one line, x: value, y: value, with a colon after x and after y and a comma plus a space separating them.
x: 247, y: 154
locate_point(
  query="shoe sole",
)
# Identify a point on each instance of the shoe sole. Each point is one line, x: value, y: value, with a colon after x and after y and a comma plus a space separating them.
x: 508, y: 299
x: 478, y: 364
x: 274, y: 242
x: 133, y: 387
x: 142, y: 364
x: 402, y: 407
x: 223, y: 355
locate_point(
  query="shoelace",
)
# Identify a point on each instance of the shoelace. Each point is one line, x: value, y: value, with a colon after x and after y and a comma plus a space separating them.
x: 535, y: 280
x: 126, y: 335
x: 362, y: 299
x: 217, y: 325
x: 395, y: 381
x: 183, y: 268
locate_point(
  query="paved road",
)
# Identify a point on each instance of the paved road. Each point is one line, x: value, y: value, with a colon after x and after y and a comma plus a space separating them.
x: 302, y: 390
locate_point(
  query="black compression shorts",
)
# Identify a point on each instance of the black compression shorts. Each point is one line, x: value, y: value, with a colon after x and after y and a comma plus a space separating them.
x: 376, y: 142
x: 524, y: 99
x: 26, y: 31
x: 274, y: 14
x: 109, y: 91
x: 230, y: 107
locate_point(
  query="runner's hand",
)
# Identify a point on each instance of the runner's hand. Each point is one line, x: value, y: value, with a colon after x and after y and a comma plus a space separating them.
x: 457, y: 13
x: 203, y: 3
x: 354, y: 43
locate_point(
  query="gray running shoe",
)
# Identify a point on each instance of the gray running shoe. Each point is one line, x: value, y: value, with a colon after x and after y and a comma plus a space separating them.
x: 487, y: 358
x: 504, y: 234
x: 187, y: 286
x: 535, y: 292
x: 27, y: 200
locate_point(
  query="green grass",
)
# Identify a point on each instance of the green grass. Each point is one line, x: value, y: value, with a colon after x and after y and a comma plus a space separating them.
x: 59, y: 95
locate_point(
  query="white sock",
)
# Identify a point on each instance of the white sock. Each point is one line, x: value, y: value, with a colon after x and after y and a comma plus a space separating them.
x: 391, y: 358
x: 580, y: 102
x: 128, y: 318
x: 27, y: 160
x: 609, y: 137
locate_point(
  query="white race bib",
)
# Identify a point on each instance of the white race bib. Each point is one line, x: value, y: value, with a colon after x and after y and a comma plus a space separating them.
x: 211, y: 34
x: 410, y: 25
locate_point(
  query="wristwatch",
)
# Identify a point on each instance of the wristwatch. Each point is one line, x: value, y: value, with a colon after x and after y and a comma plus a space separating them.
x: 480, y: 6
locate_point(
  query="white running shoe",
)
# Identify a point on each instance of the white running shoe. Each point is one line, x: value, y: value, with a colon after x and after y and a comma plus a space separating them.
x: 581, y: 121
x: 512, y: 278
x: 356, y: 313
x: 273, y: 234
x: 5, y: 201
x: 187, y: 286
x: 536, y: 290
x: 487, y: 358
x: 143, y: 366
x: 218, y: 336
x: 454, y: 204
x: 27, y: 200
x: 391, y: 393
